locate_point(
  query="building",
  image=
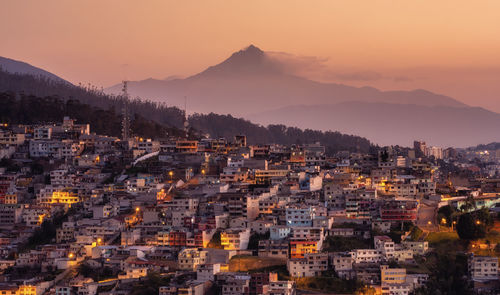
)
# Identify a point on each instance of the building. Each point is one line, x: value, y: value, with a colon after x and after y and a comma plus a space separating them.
x: 342, y: 264
x: 273, y: 249
x: 299, y: 248
x: 417, y: 247
x: 207, y: 272
x: 385, y: 245
x: 483, y: 268
x: 279, y: 232
x: 399, y: 210
x: 189, y: 259
x: 366, y: 256
x: 299, y: 217
x: 313, y: 264
x: 235, y: 239
x: 395, y: 289
x: 282, y: 288
x: 392, y: 275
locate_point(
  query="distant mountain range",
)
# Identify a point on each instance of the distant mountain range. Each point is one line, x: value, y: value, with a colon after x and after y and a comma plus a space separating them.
x: 251, y: 81
x: 19, y: 67
x: 253, y: 84
x: 387, y: 124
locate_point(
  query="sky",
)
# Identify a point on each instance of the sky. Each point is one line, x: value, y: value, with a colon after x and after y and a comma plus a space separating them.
x: 449, y: 47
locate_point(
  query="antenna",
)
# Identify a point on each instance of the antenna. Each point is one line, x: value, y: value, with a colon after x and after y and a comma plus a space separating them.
x: 186, y: 123
x: 126, y: 117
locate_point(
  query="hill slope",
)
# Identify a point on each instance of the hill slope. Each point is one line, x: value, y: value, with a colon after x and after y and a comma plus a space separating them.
x: 30, y: 109
x: 19, y: 67
x: 159, y: 116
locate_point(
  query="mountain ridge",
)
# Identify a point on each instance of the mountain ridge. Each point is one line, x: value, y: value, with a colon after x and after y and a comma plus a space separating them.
x: 251, y: 76
x: 470, y: 125
x: 20, y: 67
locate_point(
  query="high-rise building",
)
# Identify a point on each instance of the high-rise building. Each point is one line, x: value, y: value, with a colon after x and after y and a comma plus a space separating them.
x: 420, y: 148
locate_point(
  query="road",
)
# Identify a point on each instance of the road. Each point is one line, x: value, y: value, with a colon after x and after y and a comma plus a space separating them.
x: 426, y: 216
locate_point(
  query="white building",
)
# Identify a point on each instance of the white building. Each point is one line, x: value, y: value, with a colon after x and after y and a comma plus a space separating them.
x: 483, y: 268
x: 366, y: 256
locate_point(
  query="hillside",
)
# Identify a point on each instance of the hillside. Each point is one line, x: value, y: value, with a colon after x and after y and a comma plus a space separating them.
x: 30, y: 109
x: 19, y: 67
x: 42, y: 87
x: 166, y: 117
x: 228, y: 126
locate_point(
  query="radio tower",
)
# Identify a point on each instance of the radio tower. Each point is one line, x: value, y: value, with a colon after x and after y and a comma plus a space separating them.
x: 126, y: 118
x: 186, y: 123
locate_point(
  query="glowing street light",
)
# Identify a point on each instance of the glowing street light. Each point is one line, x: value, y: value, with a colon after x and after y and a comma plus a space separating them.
x: 71, y: 255
x: 171, y: 173
x: 99, y: 241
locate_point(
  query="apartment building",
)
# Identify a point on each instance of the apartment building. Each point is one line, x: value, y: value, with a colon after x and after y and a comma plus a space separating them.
x: 313, y: 264
x: 273, y: 249
x: 483, y: 268
x: 235, y: 239
x: 190, y: 258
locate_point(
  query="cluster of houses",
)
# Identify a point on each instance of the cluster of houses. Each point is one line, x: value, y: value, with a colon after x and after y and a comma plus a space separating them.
x: 87, y: 214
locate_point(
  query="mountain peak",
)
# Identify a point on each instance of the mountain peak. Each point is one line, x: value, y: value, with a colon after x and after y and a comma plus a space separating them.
x: 252, y: 49
x: 248, y: 54
x: 250, y: 60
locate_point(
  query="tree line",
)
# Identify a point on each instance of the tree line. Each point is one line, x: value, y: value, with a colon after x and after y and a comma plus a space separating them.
x: 98, y: 107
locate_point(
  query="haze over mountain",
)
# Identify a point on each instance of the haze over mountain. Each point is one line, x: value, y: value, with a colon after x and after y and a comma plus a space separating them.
x: 251, y: 81
x: 19, y: 67
x: 388, y: 124
x: 254, y: 84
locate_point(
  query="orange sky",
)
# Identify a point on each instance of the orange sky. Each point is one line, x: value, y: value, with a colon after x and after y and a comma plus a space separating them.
x: 451, y: 47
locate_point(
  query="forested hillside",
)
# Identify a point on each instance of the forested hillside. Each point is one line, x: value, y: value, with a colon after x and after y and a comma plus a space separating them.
x: 86, y: 94
x: 30, y: 109
x: 228, y: 126
x: 28, y: 99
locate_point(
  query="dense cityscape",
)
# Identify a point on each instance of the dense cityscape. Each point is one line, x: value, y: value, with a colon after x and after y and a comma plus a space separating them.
x: 84, y: 213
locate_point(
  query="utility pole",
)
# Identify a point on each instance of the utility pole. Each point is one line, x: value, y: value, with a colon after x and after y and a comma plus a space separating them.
x: 126, y: 117
x: 186, y: 123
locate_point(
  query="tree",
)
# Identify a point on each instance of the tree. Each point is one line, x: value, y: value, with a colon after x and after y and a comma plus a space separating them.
x: 447, y: 275
x: 448, y: 213
x: 215, y: 242
x: 474, y: 225
x: 253, y: 243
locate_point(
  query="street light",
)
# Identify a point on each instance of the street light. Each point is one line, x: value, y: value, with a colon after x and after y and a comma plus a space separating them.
x: 171, y: 173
